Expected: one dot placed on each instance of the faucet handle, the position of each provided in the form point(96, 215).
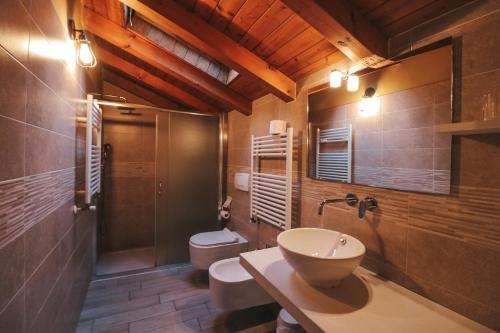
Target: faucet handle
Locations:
point(368, 203)
point(351, 199)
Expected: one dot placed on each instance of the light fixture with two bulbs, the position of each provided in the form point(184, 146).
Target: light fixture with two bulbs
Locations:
point(84, 55)
point(337, 76)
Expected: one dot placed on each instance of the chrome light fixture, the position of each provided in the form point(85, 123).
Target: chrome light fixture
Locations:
point(337, 76)
point(84, 55)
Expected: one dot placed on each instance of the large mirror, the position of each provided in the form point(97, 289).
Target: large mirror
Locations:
point(382, 134)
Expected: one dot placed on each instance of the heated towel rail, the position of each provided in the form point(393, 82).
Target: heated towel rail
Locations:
point(93, 149)
point(334, 165)
point(271, 194)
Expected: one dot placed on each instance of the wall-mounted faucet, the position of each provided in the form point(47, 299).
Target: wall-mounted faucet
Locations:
point(349, 199)
point(368, 203)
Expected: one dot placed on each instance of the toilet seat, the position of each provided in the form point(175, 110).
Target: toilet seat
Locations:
point(208, 247)
point(213, 238)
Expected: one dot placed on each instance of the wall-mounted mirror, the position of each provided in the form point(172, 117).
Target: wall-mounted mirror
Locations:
point(382, 134)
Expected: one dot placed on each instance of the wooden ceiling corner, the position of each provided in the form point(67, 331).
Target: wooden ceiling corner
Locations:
point(114, 77)
point(171, 17)
point(343, 26)
point(161, 59)
point(149, 79)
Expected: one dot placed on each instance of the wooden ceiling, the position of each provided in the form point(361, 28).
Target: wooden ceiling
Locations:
point(271, 43)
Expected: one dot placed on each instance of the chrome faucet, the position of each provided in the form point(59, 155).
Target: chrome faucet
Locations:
point(349, 199)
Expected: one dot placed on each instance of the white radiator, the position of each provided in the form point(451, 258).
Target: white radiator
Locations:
point(93, 149)
point(271, 194)
point(334, 165)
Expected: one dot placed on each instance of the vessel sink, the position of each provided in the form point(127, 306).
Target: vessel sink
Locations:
point(321, 257)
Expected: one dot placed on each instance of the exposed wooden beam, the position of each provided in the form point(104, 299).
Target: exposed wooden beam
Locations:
point(115, 11)
point(344, 27)
point(175, 67)
point(151, 80)
point(133, 87)
point(171, 17)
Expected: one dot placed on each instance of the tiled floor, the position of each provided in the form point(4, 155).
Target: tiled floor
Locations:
point(124, 261)
point(172, 299)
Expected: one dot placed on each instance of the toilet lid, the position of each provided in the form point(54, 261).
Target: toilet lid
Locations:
point(214, 238)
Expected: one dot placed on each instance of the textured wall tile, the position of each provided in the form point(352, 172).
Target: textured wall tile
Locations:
point(12, 152)
point(12, 273)
point(13, 93)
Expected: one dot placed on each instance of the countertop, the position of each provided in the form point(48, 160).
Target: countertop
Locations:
point(364, 302)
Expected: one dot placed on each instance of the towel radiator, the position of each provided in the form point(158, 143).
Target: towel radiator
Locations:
point(93, 149)
point(334, 165)
point(271, 194)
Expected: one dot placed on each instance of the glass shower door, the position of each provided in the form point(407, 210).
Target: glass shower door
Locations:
point(187, 171)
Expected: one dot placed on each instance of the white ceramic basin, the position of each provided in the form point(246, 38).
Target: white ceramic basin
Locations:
point(321, 257)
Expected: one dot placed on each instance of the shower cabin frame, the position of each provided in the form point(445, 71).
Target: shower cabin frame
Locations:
point(221, 163)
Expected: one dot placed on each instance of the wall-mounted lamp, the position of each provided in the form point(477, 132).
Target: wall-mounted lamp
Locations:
point(352, 83)
point(84, 55)
point(370, 103)
point(337, 76)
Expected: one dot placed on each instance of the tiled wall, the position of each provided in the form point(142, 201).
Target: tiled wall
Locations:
point(446, 248)
point(45, 251)
point(129, 207)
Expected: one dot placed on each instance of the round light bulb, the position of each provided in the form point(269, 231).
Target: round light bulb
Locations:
point(352, 83)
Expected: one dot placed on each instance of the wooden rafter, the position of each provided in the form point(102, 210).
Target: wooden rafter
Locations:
point(115, 11)
point(344, 27)
point(134, 88)
point(151, 80)
point(152, 54)
point(171, 17)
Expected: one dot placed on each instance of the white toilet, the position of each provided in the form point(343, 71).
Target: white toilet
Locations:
point(233, 288)
point(208, 247)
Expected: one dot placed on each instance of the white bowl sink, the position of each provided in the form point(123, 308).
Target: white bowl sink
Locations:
point(321, 257)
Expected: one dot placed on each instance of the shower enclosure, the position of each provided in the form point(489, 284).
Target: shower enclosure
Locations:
point(161, 184)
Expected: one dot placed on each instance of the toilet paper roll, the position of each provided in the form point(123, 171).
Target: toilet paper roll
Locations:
point(225, 215)
point(277, 127)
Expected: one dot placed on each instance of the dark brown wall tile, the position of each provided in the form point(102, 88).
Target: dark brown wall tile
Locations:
point(12, 273)
point(13, 90)
point(14, 29)
point(459, 267)
point(47, 110)
point(47, 151)
point(12, 135)
point(12, 317)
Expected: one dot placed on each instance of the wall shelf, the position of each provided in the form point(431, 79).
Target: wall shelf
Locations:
point(469, 127)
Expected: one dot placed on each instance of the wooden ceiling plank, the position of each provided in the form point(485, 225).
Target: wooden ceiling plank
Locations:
point(301, 42)
point(394, 10)
point(329, 60)
point(99, 6)
point(343, 26)
point(169, 16)
point(134, 88)
point(423, 14)
point(271, 20)
point(205, 8)
point(188, 4)
point(149, 79)
point(224, 13)
point(282, 35)
point(115, 11)
point(157, 57)
point(246, 17)
point(316, 52)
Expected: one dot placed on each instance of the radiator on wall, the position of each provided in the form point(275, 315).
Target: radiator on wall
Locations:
point(93, 149)
point(271, 194)
point(334, 165)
